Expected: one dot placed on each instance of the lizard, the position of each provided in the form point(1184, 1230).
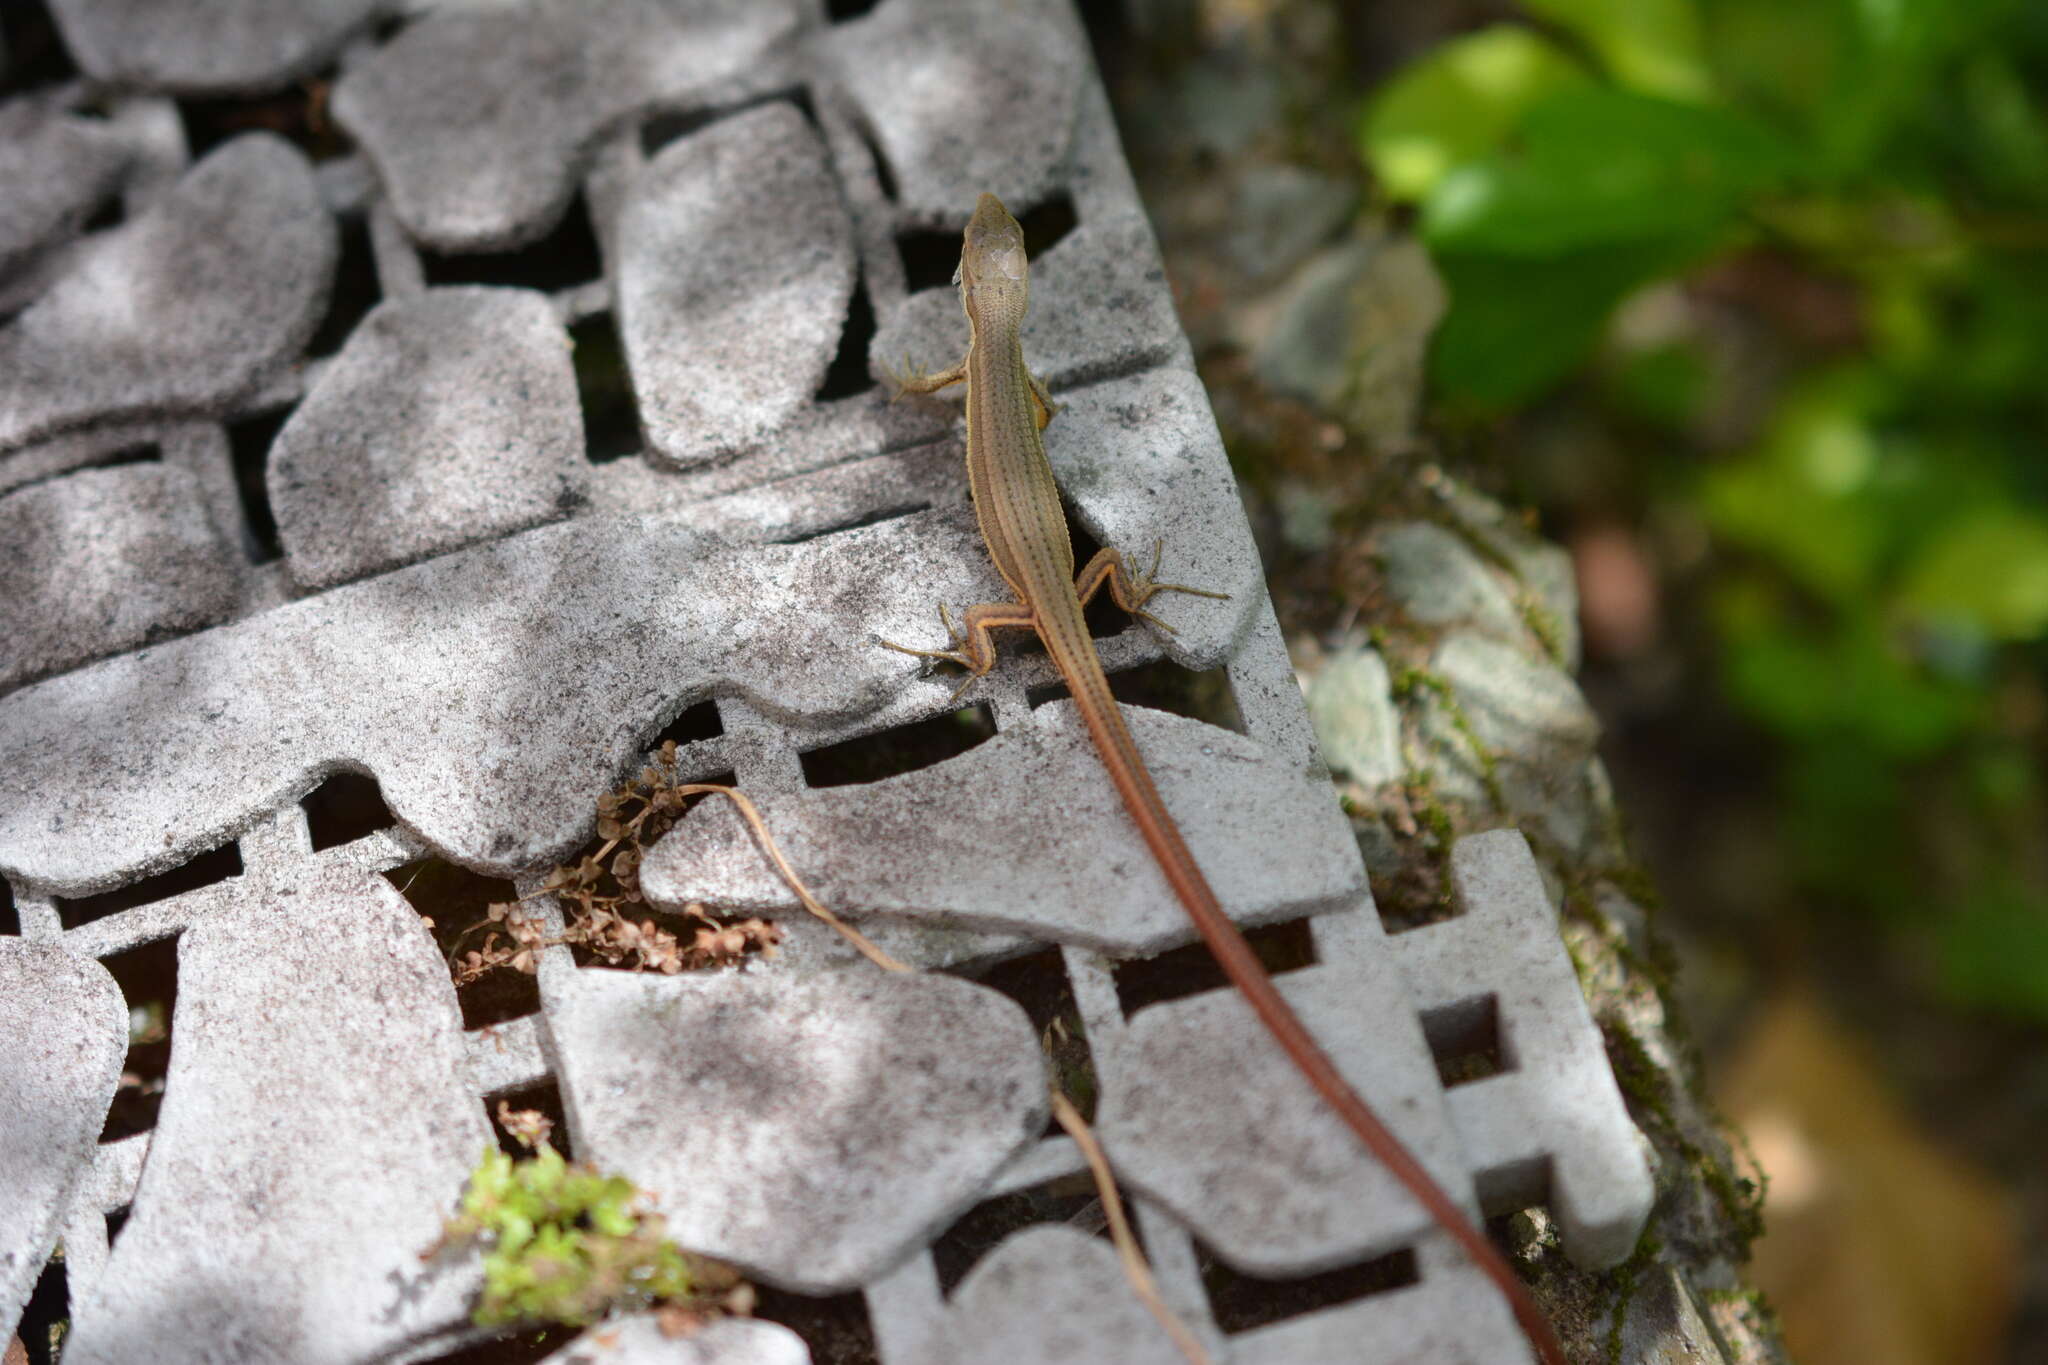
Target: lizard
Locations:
point(1017, 504)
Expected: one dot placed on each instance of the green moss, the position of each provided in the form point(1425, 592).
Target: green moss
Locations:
point(1625, 1280)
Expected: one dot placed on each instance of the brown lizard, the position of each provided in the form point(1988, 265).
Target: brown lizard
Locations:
point(1018, 506)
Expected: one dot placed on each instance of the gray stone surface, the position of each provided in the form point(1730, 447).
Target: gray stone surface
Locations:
point(638, 1340)
point(1352, 704)
point(63, 1035)
point(1205, 1114)
point(1280, 213)
point(1550, 1125)
point(963, 98)
point(208, 46)
point(493, 692)
point(1437, 580)
point(57, 170)
point(105, 560)
point(811, 1129)
point(1048, 1296)
point(1272, 844)
point(480, 120)
point(310, 1141)
point(1544, 569)
point(190, 307)
point(449, 418)
point(735, 268)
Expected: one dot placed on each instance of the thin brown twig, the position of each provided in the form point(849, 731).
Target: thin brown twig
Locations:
point(1135, 1270)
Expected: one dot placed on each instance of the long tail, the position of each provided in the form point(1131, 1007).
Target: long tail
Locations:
point(1085, 679)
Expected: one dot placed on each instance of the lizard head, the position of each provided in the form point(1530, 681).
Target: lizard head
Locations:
point(994, 276)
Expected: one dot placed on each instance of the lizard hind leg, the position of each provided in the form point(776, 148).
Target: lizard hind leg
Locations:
point(968, 644)
point(1132, 591)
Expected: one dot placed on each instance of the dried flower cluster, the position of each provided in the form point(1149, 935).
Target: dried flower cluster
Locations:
point(603, 906)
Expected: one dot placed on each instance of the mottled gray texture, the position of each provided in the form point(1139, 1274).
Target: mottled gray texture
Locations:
point(479, 121)
point(1352, 704)
point(1048, 1295)
point(963, 99)
point(310, 1142)
point(63, 1034)
point(1554, 1106)
point(1436, 579)
point(105, 560)
point(493, 692)
point(449, 418)
point(1099, 306)
point(810, 1129)
point(189, 307)
point(638, 1340)
point(1280, 213)
point(57, 169)
point(735, 263)
point(1548, 579)
point(1208, 1117)
point(208, 46)
point(1272, 843)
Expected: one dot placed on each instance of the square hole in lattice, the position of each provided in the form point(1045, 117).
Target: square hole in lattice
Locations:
point(1504, 1191)
point(931, 256)
point(839, 11)
point(848, 373)
point(544, 1097)
point(10, 918)
point(1163, 685)
point(249, 445)
point(1242, 1302)
point(1191, 970)
point(344, 808)
point(518, 1346)
point(611, 421)
point(1071, 1201)
point(34, 53)
point(457, 901)
point(148, 978)
point(1039, 982)
point(297, 114)
point(217, 865)
point(356, 288)
point(907, 748)
point(836, 1328)
point(47, 1316)
point(692, 724)
point(116, 1220)
point(1464, 1038)
point(566, 257)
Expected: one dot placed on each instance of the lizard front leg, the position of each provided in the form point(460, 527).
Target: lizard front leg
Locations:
point(1132, 591)
point(969, 644)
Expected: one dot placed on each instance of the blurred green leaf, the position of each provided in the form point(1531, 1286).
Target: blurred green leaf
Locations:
point(1994, 953)
point(1649, 45)
point(1605, 167)
point(1459, 103)
point(1989, 569)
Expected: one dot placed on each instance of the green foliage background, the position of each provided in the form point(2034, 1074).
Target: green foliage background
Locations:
point(1880, 529)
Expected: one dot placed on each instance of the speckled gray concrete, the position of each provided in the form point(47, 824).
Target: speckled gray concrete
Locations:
point(208, 46)
point(57, 169)
point(638, 1340)
point(735, 267)
point(63, 1034)
point(811, 1129)
point(1272, 843)
point(1048, 1295)
point(191, 307)
point(479, 120)
point(106, 560)
point(964, 98)
point(1207, 1116)
point(1554, 1106)
point(309, 1144)
point(449, 418)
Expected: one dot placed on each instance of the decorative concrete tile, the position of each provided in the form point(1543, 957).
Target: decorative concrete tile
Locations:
point(448, 418)
point(1454, 1316)
point(638, 1340)
point(57, 169)
point(810, 1129)
point(494, 692)
point(1048, 1296)
point(1272, 844)
point(735, 268)
point(105, 560)
point(192, 305)
point(208, 46)
point(63, 1035)
point(479, 120)
point(1204, 1113)
point(310, 1142)
point(963, 99)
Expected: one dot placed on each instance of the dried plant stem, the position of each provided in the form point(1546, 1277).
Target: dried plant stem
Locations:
point(1135, 1270)
point(752, 815)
